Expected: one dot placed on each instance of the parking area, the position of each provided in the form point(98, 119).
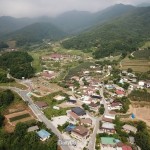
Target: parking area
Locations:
point(59, 120)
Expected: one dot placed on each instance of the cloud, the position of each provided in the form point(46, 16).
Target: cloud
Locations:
point(32, 8)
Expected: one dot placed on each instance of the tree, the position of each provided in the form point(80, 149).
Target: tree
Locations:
point(101, 109)
point(129, 70)
point(1, 120)
point(86, 107)
point(141, 126)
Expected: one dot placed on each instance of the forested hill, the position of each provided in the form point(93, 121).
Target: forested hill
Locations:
point(35, 33)
point(125, 33)
point(17, 63)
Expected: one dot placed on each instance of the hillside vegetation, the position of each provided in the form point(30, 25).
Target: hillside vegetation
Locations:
point(124, 34)
point(17, 63)
point(36, 33)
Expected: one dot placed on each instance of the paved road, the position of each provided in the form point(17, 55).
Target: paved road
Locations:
point(39, 114)
point(91, 145)
point(104, 101)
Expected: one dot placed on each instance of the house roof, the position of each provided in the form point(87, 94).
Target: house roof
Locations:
point(72, 114)
point(81, 130)
point(120, 92)
point(86, 121)
point(43, 134)
point(70, 127)
point(41, 104)
point(108, 141)
point(94, 104)
point(108, 125)
point(56, 55)
point(113, 104)
point(79, 111)
point(130, 128)
point(107, 119)
point(59, 97)
point(33, 128)
point(47, 74)
point(126, 147)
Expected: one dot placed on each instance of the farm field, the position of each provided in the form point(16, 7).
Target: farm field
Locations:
point(136, 64)
point(21, 116)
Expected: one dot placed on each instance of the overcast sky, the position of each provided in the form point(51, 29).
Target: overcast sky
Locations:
point(34, 8)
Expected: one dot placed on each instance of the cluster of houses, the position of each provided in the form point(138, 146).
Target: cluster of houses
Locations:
point(59, 57)
point(80, 124)
point(107, 126)
point(132, 80)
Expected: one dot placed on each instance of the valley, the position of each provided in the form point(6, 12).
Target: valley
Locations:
point(76, 81)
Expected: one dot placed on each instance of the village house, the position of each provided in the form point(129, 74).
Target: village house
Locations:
point(59, 98)
point(120, 93)
point(79, 111)
point(128, 128)
point(94, 106)
point(114, 106)
point(141, 84)
point(41, 104)
point(105, 119)
point(48, 75)
point(109, 143)
point(107, 127)
point(33, 128)
point(56, 57)
point(147, 84)
point(80, 133)
point(73, 117)
point(86, 121)
point(43, 134)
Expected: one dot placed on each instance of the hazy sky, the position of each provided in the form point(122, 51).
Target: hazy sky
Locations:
point(32, 8)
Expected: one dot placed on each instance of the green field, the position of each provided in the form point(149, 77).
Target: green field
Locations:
point(19, 117)
point(146, 45)
point(49, 112)
point(14, 84)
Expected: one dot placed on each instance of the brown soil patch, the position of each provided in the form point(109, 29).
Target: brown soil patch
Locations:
point(141, 111)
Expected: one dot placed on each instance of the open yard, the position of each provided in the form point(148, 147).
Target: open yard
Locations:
point(136, 64)
point(42, 87)
point(141, 110)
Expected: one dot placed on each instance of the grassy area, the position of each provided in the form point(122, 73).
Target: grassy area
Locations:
point(19, 117)
point(146, 45)
point(36, 56)
point(49, 112)
point(77, 70)
point(136, 64)
point(14, 84)
point(142, 54)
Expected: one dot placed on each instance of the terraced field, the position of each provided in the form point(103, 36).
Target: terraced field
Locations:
point(137, 65)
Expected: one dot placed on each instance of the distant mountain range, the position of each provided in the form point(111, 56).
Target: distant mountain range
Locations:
point(71, 22)
point(29, 30)
point(123, 34)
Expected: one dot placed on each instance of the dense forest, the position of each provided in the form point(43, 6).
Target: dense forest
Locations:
point(123, 34)
point(3, 77)
point(17, 63)
point(3, 45)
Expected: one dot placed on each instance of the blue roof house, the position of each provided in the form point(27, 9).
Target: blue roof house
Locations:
point(43, 134)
